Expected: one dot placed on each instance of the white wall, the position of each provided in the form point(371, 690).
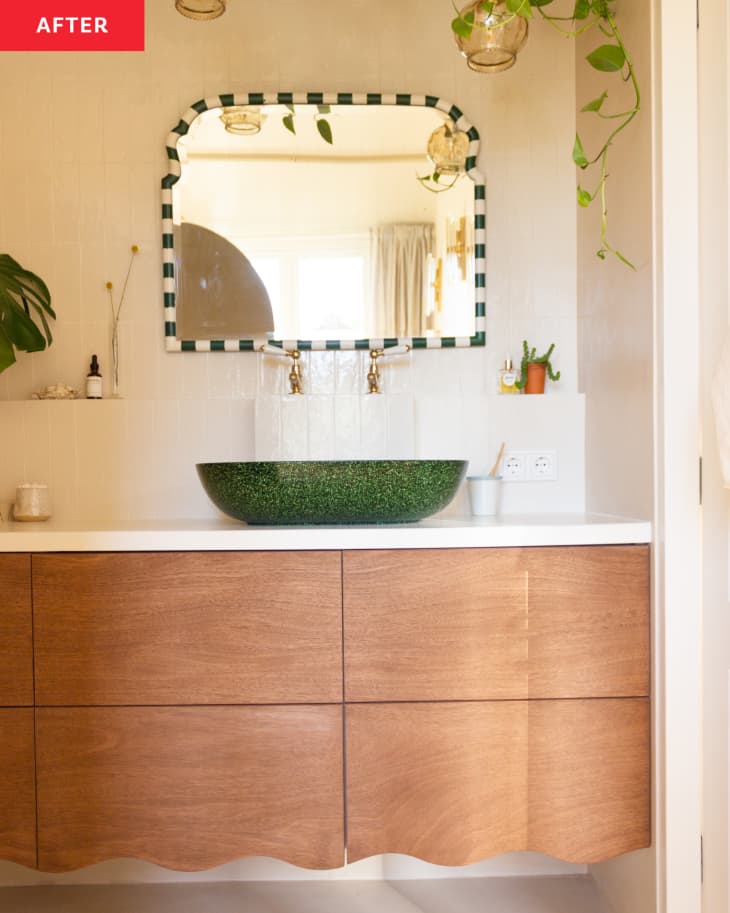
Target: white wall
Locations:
point(615, 341)
point(81, 157)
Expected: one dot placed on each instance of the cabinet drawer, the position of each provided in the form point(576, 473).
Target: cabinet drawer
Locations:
point(455, 783)
point(190, 788)
point(435, 624)
point(589, 776)
point(17, 787)
point(16, 643)
point(589, 621)
point(188, 628)
point(444, 782)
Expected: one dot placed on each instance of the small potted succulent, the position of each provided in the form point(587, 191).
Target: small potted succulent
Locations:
point(534, 368)
point(25, 304)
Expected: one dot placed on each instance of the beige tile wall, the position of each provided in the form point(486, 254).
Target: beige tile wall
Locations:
point(81, 158)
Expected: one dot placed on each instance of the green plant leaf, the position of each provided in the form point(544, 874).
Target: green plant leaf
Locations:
point(584, 197)
point(291, 108)
point(488, 6)
point(609, 58)
point(624, 260)
point(288, 121)
point(540, 2)
point(520, 8)
point(325, 131)
point(579, 156)
point(601, 254)
point(582, 9)
point(7, 353)
point(324, 109)
point(596, 104)
point(461, 27)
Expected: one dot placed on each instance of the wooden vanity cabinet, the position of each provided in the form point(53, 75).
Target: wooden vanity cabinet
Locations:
point(497, 700)
point(17, 769)
point(191, 708)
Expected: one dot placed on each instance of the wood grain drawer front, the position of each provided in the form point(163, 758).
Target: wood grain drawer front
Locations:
point(428, 624)
point(444, 782)
point(589, 778)
point(589, 621)
point(459, 782)
point(188, 628)
point(17, 787)
point(190, 788)
point(16, 637)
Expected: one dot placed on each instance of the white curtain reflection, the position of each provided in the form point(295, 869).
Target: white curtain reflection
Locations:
point(399, 256)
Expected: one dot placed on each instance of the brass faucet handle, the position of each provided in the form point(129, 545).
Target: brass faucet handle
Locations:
point(295, 371)
point(374, 370)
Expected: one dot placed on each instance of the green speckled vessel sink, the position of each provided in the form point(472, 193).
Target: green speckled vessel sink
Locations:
point(340, 491)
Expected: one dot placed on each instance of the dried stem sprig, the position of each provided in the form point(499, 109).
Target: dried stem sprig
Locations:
point(110, 287)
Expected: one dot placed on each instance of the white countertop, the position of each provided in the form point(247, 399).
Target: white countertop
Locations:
point(225, 535)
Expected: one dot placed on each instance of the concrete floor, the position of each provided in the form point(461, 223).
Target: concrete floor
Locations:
point(563, 894)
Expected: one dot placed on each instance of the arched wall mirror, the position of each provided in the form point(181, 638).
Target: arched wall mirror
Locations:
point(323, 221)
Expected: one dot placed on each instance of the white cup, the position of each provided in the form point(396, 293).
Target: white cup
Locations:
point(484, 495)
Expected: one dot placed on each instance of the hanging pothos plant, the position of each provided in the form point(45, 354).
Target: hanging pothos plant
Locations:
point(323, 125)
point(610, 57)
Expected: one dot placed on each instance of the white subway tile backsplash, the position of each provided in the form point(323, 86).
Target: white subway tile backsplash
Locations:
point(321, 431)
point(401, 443)
point(268, 427)
point(347, 428)
point(294, 431)
point(373, 427)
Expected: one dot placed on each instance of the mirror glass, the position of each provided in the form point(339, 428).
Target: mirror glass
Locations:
point(330, 224)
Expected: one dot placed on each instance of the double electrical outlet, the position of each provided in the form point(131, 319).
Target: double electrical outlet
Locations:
point(530, 466)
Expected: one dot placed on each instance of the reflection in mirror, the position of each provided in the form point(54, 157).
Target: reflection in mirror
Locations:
point(333, 224)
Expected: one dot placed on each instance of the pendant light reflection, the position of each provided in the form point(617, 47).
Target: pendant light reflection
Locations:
point(243, 121)
point(201, 9)
point(447, 149)
point(495, 40)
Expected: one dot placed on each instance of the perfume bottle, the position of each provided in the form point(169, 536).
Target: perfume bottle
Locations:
point(506, 378)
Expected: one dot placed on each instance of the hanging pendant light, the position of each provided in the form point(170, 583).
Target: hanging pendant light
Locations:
point(447, 149)
point(201, 9)
point(242, 120)
point(495, 40)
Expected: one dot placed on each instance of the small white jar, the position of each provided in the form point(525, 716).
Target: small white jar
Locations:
point(32, 502)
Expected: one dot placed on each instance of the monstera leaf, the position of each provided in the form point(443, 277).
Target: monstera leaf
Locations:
point(25, 305)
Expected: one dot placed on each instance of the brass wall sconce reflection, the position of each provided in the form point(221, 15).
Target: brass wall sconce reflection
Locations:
point(295, 370)
point(456, 244)
point(201, 9)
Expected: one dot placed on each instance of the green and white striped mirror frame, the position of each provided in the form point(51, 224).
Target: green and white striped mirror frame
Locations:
point(173, 344)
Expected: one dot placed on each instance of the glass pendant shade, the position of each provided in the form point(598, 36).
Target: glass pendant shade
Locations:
point(447, 149)
point(495, 40)
point(201, 9)
point(242, 120)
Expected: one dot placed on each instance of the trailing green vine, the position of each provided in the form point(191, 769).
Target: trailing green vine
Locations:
point(611, 57)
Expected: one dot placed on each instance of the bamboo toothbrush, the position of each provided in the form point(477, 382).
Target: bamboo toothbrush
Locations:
point(494, 471)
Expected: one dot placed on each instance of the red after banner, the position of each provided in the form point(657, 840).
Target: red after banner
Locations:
point(73, 25)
